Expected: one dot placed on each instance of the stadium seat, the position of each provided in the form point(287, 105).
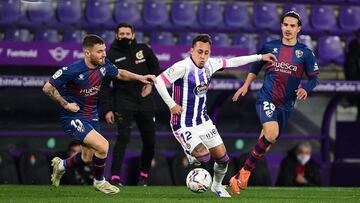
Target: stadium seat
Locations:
point(220, 40)
point(349, 18)
point(300, 8)
point(306, 39)
point(9, 12)
point(266, 17)
point(34, 168)
point(266, 38)
point(139, 36)
point(130, 13)
point(40, 12)
point(74, 36)
point(47, 36)
point(8, 172)
point(108, 36)
point(162, 38)
point(69, 11)
point(332, 1)
point(22, 35)
point(247, 41)
point(186, 38)
point(180, 168)
point(209, 14)
point(160, 172)
point(330, 49)
point(354, 1)
point(236, 17)
point(323, 18)
point(183, 14)
point(97, 13)
point(155, 14)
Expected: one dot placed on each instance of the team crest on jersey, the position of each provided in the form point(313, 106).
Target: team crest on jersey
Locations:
point(269, 113)
point(103, 71)
point(139, 55)
point(57, 74)
point(81, 77)
point(299, 53)
point(201, 89)
point(170, 71)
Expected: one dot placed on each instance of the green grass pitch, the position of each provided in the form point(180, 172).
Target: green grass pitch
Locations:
point(68, 194)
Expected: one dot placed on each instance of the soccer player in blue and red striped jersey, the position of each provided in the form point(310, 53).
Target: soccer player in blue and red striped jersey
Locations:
point(75, 88)
point(281, 88)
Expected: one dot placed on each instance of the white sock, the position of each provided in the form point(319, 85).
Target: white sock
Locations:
point(61, 165)
point(219, 173)
point(99, 181)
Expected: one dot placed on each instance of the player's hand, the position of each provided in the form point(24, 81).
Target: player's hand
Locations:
point(109, 117)
point(148, 79)
point(240, 92)
point(146, 90)
point(269, 57)
point(176, 110)
point(72, 107)
point(301, 94)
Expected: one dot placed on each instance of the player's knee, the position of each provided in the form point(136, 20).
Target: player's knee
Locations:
point(271, 135)
point(223, 161)
point(104, 148)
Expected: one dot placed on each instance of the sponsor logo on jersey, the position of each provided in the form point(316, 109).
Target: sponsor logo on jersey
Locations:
point(201, 89)
point(90, 91)
point(139, 55)
point(299, 53)
point(103, 71)
point(284, 67)
point(211, 134)
point(57, 74)
point(170, 71)
point(269, 113)
point(120, 59)
point(58, 54)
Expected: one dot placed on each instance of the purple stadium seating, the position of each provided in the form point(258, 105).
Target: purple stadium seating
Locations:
point(155, 14)
point(236, 16)
point(245, 41)
point(162, 38)
point(220, 40)
point(40, 12)
point(306, 39)
point(183, 14)
point(330, 49)
point(69, 11)
point(323, 18)
point(209, 14)
point(97, 13)
point(22, 35)
point(108, 36)
point(47, 36)
point(354, 1)
point(139, 36)
point(349, 18)
point(186, 38)
point(9, 12)
point(130, 13)
point(266, 38)
point(332, 1)
point(74, 36)
point(266, 16)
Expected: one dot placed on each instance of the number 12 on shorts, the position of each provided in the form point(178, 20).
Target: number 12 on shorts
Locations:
point(186, 136)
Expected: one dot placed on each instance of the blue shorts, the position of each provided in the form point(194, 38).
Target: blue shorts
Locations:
point(267, 111)
point(79, 127)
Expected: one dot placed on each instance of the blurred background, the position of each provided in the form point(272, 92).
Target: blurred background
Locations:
point(39, 36)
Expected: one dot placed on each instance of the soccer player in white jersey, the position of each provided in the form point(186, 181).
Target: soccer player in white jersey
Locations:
point(190, 123)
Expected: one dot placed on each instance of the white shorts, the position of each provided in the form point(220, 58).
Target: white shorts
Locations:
point(190, 137)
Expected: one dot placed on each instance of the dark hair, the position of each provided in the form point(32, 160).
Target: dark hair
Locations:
point(292, 14)
point(201, 38)
point(124, 24)
point(90, 40)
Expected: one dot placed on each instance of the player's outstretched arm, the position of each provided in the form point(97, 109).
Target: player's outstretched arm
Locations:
point(52, 92)
point(128, 76)
point(243, 60)
point(244, 89)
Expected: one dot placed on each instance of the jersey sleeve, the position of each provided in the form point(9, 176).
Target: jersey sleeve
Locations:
point(173, 73)
point(256, 67)
point(311, 67)
point(61, 77)
point(111, 70)
point(216, 64)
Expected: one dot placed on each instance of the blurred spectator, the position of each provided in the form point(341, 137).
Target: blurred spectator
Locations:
point(78, 176)
point(298, 168)
point(352, 67)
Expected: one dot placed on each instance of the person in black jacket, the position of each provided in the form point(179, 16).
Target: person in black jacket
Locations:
point(124, 103)
point(298, 168)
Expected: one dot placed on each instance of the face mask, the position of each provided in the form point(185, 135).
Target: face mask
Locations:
point(124, 42)
point(303, 158)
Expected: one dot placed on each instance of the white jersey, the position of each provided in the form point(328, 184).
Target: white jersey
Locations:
point(189, 86)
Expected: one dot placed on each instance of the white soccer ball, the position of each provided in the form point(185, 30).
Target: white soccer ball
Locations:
point(198, 180)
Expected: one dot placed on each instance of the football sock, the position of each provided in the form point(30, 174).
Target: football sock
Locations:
point(220, 168)
point(72, 162)
point(99, 167)
point(115, 177)
point(204, 158)
point(144, 175)
point(257, 153)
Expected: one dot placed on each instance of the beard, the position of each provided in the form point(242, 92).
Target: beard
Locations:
point(96, 62)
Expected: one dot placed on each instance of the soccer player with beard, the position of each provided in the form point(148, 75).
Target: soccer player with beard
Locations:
point(191, 125)
point(281, 88)
point(75, 88)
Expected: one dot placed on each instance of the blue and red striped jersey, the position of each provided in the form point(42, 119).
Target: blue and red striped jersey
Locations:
point(283, 77)
point(80, 84)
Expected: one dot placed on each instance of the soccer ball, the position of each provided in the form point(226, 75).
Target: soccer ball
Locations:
point(198, 180)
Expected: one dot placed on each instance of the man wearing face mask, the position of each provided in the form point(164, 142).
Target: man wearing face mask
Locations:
point(298, 168)
point(124, 102)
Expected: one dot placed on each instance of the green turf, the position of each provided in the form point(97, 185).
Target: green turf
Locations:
point(68, 194)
